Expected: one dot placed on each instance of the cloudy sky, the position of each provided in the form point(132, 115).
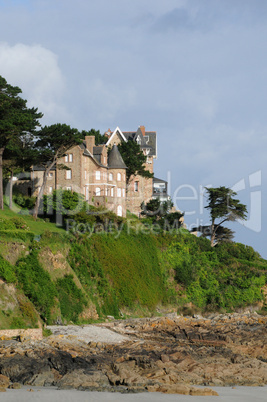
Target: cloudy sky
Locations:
point(195, 71)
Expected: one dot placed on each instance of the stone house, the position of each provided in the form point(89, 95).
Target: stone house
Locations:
point(139, 189)
point(101, 176)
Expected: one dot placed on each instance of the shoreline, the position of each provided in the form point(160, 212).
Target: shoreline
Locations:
point(171, 354)
point(47, 394)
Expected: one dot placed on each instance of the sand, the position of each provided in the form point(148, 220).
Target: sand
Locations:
point(226, 394)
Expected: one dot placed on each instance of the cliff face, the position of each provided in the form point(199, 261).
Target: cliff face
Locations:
point(62, 279)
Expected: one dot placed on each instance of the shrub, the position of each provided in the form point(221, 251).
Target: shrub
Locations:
point(36, 284)
point(7, 271)
point(71, 298)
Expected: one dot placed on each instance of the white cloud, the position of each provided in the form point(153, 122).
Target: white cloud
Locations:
point(35, 70)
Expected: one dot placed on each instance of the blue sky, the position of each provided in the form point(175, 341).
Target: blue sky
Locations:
point(194, 71)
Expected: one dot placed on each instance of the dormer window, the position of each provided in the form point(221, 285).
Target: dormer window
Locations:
point(138, 140)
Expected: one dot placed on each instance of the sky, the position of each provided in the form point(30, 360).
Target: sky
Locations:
point(195, 71)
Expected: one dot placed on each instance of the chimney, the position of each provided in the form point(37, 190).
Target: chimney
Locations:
point(108, 133)
point(90, 142)
point(143, 130)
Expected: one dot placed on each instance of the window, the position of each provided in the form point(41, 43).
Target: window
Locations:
point(112, 191)
point(50, 175)
point(104, 160)
point(106, 191)
point(85, 174)
point(111, 176)
point(97, 191)
point(104, 176)
point(68, 188)
point(118, 192)
point(119, 176)
point(97, 175)
point(69, 158)
point(119, 210)
point(68, 174)
point(123, 192)
point(86, 193)
point(136, 186)
point(50, 189)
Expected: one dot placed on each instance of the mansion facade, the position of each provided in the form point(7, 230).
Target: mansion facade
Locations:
point(101, 175)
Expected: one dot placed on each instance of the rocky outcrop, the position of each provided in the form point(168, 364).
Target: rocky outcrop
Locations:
point(168, 354)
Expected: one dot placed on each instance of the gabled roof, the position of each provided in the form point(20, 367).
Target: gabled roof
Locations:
point(115, 160)
point(148, 141)
point(116, 131)
point(95, 157)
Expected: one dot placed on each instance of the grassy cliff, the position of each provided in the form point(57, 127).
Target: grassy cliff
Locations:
point(49, 274)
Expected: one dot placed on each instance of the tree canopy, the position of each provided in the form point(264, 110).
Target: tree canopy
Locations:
point(134, 159)
point(223, 206)
point(99, 138)
point(160, 213)
point(16, 119)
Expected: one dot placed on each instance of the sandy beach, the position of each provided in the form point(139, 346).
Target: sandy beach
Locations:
point(226, 394)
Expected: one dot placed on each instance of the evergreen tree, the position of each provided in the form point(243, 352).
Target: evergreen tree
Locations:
point(222, 205)
point(16, 119)
point(134, 159)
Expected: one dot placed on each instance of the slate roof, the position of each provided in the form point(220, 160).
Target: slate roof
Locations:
point(148, 141)
point(156, 180)
point(115, 160)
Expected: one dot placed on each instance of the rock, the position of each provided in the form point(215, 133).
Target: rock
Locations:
point(78, 378)
point(164, 358)
point(4, 381)
point(15, 385)
point(174, 389)
point(161, 354)
point(43, 379)
point(202, 392)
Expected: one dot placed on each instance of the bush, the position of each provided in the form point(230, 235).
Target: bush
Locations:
point(19, 223)
point(227, 276)
point(36, 284)
point(71, 298)
point(7, 271)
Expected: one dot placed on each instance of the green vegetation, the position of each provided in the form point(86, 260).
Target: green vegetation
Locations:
point(61, 275)
point(227, 276)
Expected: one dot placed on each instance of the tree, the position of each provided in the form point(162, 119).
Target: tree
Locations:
point(15, 120)
point(160, 214)
point(53, 142)
point(19, 156)
point(155, 208)
point(222, 233)
point(99, 138)
point(223, 206)
point(134, 159)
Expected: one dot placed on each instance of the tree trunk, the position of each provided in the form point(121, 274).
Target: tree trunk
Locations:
point(40, 194)
point(1, 179)
point(213, 233)
point(11, 189)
